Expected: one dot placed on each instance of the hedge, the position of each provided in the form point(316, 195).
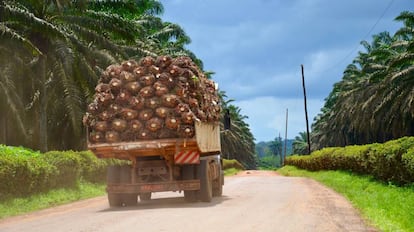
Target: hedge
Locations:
point(21, 175)
point(25, 173)
point(227, 164)
point(392, 161)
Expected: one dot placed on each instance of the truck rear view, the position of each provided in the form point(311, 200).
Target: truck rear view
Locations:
point(162, 115)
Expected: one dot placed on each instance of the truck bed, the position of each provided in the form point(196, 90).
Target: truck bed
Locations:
point(206, 141)
point(128, 150)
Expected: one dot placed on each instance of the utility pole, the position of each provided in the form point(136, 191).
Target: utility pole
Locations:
point(306, 109)
point(286, 127)
point(280, 151)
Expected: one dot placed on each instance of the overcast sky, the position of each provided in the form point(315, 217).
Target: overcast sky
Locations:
point(256, 48)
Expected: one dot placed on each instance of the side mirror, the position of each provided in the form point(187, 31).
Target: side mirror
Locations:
point(227, 120)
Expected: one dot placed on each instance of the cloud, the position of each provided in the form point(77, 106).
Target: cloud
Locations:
point(256, 49)
point(322, 69)
point(267, 116)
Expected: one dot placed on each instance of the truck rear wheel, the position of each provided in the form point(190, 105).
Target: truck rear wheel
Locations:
point(114, 199)
point(112, 174)
point(218, 186)
point(206, 185)
point(127, 199)
point(189, 174)
point(112, 177)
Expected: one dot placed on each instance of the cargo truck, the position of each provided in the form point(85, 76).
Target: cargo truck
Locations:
point(193, 166)
point(162, 115)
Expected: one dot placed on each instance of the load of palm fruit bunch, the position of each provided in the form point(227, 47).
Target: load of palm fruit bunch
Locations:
point(154, 98)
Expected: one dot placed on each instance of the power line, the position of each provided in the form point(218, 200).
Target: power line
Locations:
point(379, 19)
point(364, 37)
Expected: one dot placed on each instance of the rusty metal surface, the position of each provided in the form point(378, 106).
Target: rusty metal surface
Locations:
point(154, 187)
point(129, 150)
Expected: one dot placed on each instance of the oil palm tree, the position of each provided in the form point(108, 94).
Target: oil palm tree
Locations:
point(60, 48)
point(73, 45)
point(300, 144)
point(238, 142)
point(373, 101)
point(65, 48)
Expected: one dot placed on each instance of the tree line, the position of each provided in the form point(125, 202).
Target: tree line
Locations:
point(374, 101)
point(53, 53)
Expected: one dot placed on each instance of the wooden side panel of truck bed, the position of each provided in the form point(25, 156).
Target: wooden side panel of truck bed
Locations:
point(208, 137)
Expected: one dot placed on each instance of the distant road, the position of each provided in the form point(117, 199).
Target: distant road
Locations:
point(252, 201)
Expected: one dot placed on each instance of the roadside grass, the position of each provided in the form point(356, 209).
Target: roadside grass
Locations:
point(18, 206)
point(386, 206)
point(84, 190)
point(231, 171)
point(232, 167)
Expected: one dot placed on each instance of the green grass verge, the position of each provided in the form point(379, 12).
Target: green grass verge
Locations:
point(84, 190)
point(387, 207)
point(18, 206)
point(231, 171)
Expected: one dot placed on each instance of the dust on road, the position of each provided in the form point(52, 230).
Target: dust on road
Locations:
point(252, 201)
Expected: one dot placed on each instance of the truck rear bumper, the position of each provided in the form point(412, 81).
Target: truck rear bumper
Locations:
point(154, 187)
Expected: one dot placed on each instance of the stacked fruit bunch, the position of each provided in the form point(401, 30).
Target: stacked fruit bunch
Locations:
point(155, 98)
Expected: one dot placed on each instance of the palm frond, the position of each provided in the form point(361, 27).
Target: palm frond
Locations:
point(8, 34)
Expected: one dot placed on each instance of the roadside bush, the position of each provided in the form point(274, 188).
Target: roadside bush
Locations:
point(21, 175)
point(269, 162)
point(92, 169)
point(68, 165)
point(24, 172)
point(408, 160)
point(227, 164)
point(392, 161)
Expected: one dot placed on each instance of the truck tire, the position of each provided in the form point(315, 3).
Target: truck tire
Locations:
point(188, 173)
point(125, 174)
point(112, 177)
point(114, 200)
point(127, 199)
point(145, 196)
point(218, 185)
point(206, 185)
point(190, 195)
point(112, 174)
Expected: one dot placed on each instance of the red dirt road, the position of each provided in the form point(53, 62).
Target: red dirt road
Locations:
point(252, 201)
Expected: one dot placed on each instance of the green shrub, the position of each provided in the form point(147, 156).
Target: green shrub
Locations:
point(408, 161)
point(68, 165)
point(392, 161)
point(22, 174)
point(227, 164)
point(269, 162)
point(17, 151)
point(92, 169)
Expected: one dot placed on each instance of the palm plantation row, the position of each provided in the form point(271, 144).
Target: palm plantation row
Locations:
point(374, 101)
point(53, 53)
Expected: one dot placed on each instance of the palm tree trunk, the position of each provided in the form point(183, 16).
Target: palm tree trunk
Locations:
point(3, 123)
point(43, 106)
point(1, 10)
point(3, 131)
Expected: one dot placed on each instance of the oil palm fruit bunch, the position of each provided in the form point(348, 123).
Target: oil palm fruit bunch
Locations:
point(153, 98)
